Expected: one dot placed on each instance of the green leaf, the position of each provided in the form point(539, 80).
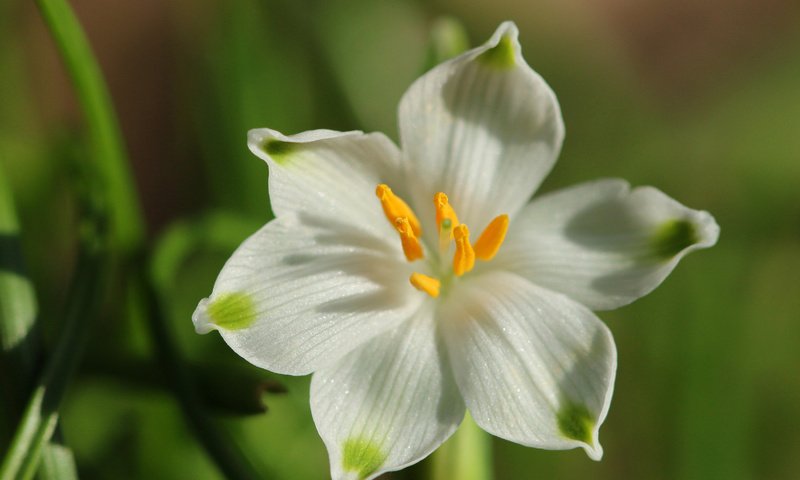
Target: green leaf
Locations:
point(84, 298)
point(17, 297)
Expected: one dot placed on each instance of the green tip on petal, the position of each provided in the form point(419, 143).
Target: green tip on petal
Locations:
point(500, 56)
point(362, 456)
point(575, 422)
point(673, 236)
point(278, 150)
point(232, 311)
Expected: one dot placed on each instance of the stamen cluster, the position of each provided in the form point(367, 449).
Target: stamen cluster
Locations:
point(402, 217)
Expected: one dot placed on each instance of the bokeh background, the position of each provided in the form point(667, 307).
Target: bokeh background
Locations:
point(698, 98)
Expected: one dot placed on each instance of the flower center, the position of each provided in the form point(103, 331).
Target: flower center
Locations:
point(408, 227)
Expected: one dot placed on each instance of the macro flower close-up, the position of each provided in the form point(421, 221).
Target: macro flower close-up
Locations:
point(419, 282)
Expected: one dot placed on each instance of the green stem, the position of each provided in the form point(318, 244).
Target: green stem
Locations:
point(83, 302)
point(19, 339)
point(104, 138)
point(467, 455)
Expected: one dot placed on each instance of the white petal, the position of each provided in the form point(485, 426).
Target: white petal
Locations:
point(389, 403)
point(484, 128)
point(603, 244)
point(534, 367)
point(329, 173)
point(304, 290)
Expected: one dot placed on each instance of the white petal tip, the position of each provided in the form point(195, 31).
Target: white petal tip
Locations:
point(577, 423)
point(231, 311)
point(506, 28)
point(273, 146)
point(708, 230)
point(200, 319)
point(676, 237)
point(502, 51)
point(595, 452)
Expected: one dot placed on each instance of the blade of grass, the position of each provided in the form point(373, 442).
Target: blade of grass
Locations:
point(104, 138)
point(58, 463)
point(18, 310)
point(18, 336)
point(87, 290)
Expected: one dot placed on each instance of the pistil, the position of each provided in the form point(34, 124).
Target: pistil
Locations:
point(446, 220)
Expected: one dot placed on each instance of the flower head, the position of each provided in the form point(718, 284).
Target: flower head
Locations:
point(417, 282)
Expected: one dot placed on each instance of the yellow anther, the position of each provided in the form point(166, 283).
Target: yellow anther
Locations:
point(444, 210)
point(492, 237)
point(394, 207)
point(411, 245)
point(464, 259)
point(425, 284)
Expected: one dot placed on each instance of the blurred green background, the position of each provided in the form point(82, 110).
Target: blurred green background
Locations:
point(698, 98)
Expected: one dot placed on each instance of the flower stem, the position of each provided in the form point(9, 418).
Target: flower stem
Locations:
point(102, 129)
point(467, 455)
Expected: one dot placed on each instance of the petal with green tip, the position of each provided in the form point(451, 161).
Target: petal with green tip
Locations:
point(603, 243)
point(534, 367)
point(304, 290)
point(324, 172)
point(483, 128)
point(362, 457)
point(232, 310)
point(501, 56)
point(387, 404)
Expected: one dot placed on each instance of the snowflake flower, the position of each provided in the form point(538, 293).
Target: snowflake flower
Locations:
point(403, 314)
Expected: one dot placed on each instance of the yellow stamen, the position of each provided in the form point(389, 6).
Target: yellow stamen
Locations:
point(444, 210)
point(394, 207)
point(492, 237)
point(411, 245)
point(425, 284)
point(464, 259)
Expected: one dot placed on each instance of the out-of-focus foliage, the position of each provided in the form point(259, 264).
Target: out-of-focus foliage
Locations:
point(707, 384)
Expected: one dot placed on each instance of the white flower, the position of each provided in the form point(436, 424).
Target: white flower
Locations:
point(405, 314)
